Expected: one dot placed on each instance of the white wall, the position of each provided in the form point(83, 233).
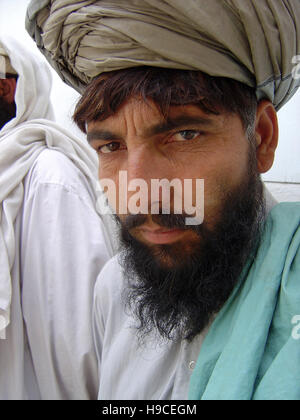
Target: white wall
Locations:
point(283, 179)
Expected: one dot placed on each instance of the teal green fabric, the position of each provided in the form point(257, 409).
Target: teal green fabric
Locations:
point(251, 351)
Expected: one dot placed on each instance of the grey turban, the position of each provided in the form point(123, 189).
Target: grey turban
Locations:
point(256, 42)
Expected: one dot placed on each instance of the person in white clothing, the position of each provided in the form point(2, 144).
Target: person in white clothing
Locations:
point(53, 242)
point(176, 92)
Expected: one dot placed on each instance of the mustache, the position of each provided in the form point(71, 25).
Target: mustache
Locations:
point(170, 221)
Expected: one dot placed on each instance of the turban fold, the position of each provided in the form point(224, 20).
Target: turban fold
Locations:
point(256, 42)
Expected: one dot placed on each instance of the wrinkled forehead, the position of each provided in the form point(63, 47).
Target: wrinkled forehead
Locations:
point(145, 119)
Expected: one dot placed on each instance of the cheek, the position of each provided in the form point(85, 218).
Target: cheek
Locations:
point(109, 181)
point(221, 174)
point(108, 167)
point(221, 169)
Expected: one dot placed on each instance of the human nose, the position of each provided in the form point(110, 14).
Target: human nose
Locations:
point(143, 165)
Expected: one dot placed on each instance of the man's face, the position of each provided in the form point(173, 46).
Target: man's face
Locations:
point(189, 144)
point(178, 275)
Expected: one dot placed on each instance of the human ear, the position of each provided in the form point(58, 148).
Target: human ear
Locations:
point(8, 89)
point(266, 134)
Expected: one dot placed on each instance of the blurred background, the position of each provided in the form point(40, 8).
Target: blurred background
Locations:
point(283, 180)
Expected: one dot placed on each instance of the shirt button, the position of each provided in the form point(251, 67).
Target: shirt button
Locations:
point(192, 365)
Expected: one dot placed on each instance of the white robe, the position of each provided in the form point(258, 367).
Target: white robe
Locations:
point(155, 369)
point(53, 243)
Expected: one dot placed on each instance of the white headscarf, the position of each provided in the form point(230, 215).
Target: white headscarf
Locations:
point(33, 87)
point(21, 142)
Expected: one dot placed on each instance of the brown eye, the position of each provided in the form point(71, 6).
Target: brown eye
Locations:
point(186, 135)
point(109, 147)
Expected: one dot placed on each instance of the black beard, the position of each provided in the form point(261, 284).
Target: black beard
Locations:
point(179, 301)
point(7, 112)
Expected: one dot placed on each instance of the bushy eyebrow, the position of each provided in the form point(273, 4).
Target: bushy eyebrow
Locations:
point(178, 122)
point(163, 127)
point(104, 135)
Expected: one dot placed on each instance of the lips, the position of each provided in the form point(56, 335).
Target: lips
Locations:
point(161, 236)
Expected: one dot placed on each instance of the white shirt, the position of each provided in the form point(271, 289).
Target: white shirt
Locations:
point(155, 370)
point(53, 243)
point(48, 351)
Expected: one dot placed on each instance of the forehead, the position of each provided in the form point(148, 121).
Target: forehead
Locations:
point(148, 119)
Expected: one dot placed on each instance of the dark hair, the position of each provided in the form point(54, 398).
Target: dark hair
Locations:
point(106, 93)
